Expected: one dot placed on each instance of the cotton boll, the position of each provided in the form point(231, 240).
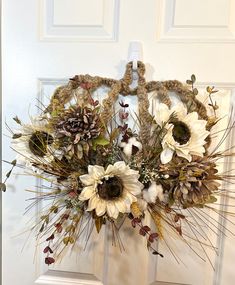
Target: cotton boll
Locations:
point(128, 147)
point(153, 192)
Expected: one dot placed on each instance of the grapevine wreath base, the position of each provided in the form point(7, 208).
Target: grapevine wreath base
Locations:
point(98, 170)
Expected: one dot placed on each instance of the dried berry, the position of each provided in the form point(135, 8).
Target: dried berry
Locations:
point(49, 260)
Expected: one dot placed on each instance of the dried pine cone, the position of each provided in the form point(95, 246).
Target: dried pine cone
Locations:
point(193, 182)
point(79, 124)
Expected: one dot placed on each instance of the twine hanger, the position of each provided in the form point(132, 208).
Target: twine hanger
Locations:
point(63, 94)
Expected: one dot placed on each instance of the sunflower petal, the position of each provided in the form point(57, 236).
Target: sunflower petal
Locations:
point(87, 193)
point(120, 165)
point(92, 204)
point(162, 114)
point(100, 208)
point(87, 179)
point(184, 155)
point(121, 206)
point(166, 155)
point(150, 194)
point(96, 171)
point(112, 210)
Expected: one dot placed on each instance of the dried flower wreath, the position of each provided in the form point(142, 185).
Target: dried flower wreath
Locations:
point(101, 171)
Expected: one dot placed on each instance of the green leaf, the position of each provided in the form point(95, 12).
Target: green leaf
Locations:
point(189, 82)
point(54, 113)
point(100, 141)
point(3, 187)
point(193, 78)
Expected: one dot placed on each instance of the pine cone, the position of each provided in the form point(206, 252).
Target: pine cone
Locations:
point(194, 182)
point(79, 124)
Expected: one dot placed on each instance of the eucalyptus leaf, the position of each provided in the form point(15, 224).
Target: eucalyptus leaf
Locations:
point(171, 199)
point(54, 209)
point(42, 228)
point(71, 240)
point(9, 173)
point(54, 113)
point(3, 187)
point(66, 240)
point(98, 223)
point(195, 91)
point(14, 162)
point(17, 120)
point(70, 228)
point(16, 136)
point(193, 78)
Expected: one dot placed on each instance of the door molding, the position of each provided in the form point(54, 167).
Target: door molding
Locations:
point(55, 277)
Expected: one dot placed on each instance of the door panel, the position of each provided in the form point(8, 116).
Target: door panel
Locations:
point(45, 42)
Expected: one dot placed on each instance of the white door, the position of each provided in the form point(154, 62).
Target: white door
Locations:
point(45, 42)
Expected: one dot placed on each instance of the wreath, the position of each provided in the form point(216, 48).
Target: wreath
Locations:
point(99, 169)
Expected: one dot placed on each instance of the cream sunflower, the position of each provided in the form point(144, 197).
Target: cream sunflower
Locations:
point(111, 190)
point(185, 135)
point(33, 143)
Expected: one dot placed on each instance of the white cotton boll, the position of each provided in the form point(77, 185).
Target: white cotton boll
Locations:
point(165, 198)
point(153, 192)
point(133, 141)
point(150, 194)
point(166, 155)
point(160, 193)
point(128, 147)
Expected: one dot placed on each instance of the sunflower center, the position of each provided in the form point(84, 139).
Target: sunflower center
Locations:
point(181, 132)
point(110, 189)
point(38, 143)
